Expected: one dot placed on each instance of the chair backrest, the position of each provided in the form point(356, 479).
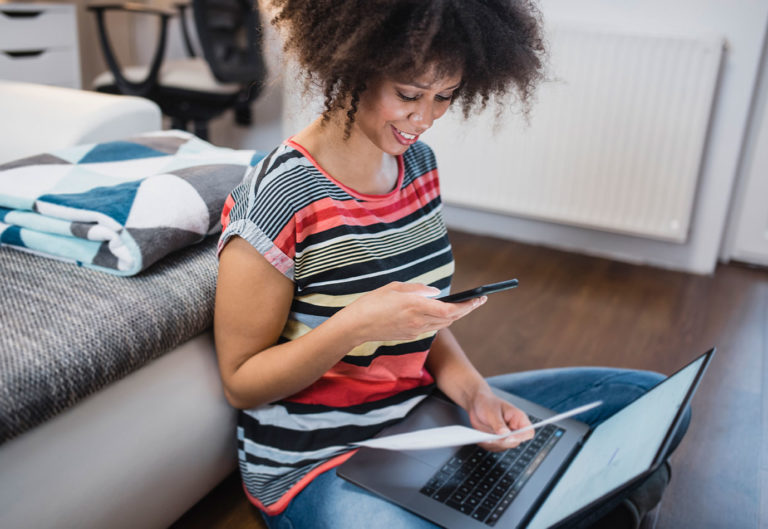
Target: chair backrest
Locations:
point(230, 35)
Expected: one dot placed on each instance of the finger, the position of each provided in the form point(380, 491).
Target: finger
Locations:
point(433, 324)
point(468, 304)
point(418, 289)
point(455, 311)
point(505, 443)
point(497, 423)
point(494, 446)
point(519, 437)
point(509, 418)
point(440, 321)
point(515, 417)
point(465, 307)
point(509, 442)
point(430, 324)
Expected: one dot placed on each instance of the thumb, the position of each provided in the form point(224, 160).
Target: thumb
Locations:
point(422, 290)
point(501, 428)
point(495, 423)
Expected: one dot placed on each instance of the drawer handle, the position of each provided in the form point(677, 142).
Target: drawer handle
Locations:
point(21, 14)
point(23, 54)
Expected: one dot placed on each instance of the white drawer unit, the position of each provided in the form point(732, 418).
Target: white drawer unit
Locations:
point(38, 44)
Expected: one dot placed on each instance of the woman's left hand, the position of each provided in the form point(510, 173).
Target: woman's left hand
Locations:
point(489, 413)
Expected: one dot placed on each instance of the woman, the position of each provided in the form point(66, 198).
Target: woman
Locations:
point(334, 248)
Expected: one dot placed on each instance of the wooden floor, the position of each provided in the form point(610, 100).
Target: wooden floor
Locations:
point(576, 310)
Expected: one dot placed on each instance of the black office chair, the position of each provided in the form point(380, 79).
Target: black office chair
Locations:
point(194, 89)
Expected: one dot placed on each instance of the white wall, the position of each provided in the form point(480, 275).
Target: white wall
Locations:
point(747, 233)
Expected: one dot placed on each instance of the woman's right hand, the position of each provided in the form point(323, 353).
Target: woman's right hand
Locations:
point(402, 311)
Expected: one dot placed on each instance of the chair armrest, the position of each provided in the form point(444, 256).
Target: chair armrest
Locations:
point(145, 87)
point(38, 118)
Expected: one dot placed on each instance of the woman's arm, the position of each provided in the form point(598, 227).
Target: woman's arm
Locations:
point(461, 382)
point(253, 301)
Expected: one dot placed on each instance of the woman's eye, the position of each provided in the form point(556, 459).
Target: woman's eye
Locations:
point(406, 98)
point(442, 99)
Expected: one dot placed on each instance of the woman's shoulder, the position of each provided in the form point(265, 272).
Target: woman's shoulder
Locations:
point(269, 184)
point(283, 160)
point(276, 174)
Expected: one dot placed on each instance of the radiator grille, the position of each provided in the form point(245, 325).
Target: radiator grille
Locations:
point(615, 139)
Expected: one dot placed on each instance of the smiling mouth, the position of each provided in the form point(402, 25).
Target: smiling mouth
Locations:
point(404, 137)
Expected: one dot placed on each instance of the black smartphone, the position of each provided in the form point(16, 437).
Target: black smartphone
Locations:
point(479, 291)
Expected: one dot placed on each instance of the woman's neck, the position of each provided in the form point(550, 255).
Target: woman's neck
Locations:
point(355, 162)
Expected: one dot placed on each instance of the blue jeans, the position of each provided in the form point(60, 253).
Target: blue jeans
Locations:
point(331, 502)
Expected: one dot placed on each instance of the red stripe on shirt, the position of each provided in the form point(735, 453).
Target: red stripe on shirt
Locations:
point(229, 203)
point(286, 240)
point(327, 213)
point(349, 385)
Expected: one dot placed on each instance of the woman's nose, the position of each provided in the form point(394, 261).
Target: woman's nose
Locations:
point(422, 118)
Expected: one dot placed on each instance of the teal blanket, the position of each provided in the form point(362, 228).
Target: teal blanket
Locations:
point(119, 206)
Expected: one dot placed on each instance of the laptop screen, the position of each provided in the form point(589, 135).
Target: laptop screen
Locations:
point(619, 449)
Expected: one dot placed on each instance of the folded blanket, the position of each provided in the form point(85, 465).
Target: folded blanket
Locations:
point(119, 206)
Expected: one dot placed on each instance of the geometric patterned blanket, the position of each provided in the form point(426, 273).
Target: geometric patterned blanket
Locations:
point(119, 206)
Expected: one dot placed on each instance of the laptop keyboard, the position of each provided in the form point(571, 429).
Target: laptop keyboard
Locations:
point(482, 484)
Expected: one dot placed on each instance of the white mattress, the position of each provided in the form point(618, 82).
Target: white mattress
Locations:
point(136, 455)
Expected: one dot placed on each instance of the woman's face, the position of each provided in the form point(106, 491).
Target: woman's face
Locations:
point(393, 113)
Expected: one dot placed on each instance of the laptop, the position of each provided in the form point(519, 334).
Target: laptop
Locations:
point(564, 475)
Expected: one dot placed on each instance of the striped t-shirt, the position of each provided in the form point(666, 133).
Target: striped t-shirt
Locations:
point(335, 244)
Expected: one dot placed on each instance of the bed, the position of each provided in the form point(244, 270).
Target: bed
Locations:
point(91, 438)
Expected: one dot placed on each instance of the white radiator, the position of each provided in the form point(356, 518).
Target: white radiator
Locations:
point(615, 139)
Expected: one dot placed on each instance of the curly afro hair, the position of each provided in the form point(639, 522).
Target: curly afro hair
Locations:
point(496, 46)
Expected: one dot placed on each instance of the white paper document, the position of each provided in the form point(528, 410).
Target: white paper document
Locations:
point(456, 435)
